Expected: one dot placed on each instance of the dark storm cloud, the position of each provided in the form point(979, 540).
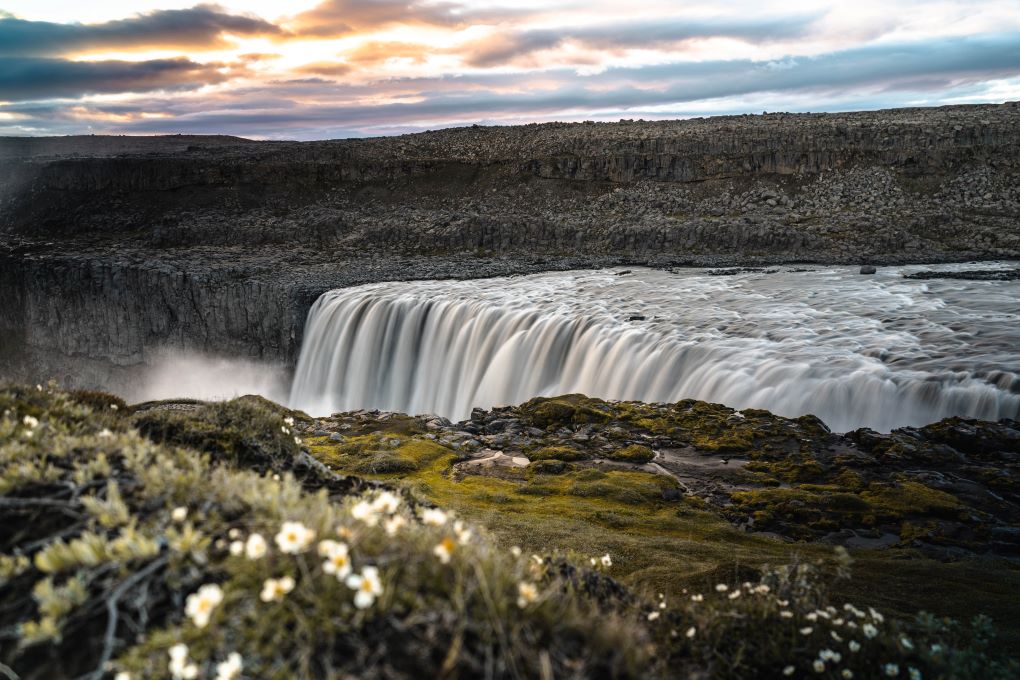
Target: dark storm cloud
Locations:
point(28, 78)
point(199, 27)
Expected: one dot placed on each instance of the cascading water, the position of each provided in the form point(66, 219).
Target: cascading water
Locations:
point(878, 351)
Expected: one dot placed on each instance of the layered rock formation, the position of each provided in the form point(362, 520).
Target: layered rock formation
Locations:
point(113, 247)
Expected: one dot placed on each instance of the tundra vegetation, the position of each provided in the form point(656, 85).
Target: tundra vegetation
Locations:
point(566, 537)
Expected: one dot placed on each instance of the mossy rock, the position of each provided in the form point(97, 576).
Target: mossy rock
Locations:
point(550, 467)
point(635, 453)
point(563, 453)
point(248, 431)
point(566, 411)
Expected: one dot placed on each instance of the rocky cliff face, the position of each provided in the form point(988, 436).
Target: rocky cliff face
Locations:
point(113, 247)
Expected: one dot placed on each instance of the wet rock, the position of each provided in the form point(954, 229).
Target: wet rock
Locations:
point(868, 269)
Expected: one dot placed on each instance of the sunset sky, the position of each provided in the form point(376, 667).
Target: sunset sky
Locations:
point(344, 68)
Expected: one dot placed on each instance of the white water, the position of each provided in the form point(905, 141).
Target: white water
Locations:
point(878, 351)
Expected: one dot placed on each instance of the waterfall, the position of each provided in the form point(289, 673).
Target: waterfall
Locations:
point(857, 351)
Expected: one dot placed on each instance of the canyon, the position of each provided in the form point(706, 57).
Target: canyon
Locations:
point(236, 239)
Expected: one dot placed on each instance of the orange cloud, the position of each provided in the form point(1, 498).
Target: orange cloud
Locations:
point(324, 68)
point(376, 52)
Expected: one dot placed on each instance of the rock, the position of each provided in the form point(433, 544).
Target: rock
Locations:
point(868, 269)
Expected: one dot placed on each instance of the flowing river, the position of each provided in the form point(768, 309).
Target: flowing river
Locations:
point(878, 351)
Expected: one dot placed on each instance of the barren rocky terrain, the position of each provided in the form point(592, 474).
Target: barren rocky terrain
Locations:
point(236, 238)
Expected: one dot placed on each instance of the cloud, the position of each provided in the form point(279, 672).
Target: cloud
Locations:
point(889, 73)
point(647, 34)
point(372, 53)
point(30, 78)
point(201, 27)
point(340, 17)
point(325, 68)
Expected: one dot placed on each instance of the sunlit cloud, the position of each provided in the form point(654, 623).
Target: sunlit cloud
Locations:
point(362, 67)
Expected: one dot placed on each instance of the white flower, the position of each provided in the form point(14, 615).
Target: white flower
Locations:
point(30, 422)
point(829, 655)
point(106, 434)
point(936, 649)
point(806, 630)
point(691, 632)
point(697, 598)
point(876, 616)
point(365, 512)
point(123, 675)
point(606, 561)
point(274, 589)
point(653, 616)
point(236, 548)
point(284, 429)
point(387, 502)
point(234, 534)
point(434, 517)
point(394, 524)
point(200, 605)
point(526, 594)
point(812, 616)
point(734, 595)
point(515, 550)
point(891, 669)
point(914, 673)
point(179, 667)
point(338, 561)
point(114, 407)
point(229, 669)
point(289, 420)
point(835, 636)
point(854, 646)
point(255, 547)
point(327, 546)
point(463, 533)
point(789, 670)
point(721, 588)
point(179, 514)
point(786, 614)
point(297, 440)
point(818, 665)
point(847, 674)
point(907, 644)
point(869, 630)
point(368, 586)
point(444, 550)
point(294, 538)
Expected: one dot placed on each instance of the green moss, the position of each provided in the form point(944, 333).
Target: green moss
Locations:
point(635, 453)
point(906, 498)
point(563, 453)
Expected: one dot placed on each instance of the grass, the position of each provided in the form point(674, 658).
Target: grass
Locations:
point(111, 521)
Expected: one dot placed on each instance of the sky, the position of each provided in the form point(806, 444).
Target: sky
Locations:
point(352, 68)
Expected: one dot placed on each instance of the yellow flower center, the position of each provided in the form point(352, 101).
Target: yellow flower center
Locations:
point(366, 585)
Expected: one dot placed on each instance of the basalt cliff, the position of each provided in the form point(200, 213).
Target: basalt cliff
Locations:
point(235, 238)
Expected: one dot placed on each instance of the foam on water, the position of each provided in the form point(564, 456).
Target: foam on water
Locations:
point(878, 351)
